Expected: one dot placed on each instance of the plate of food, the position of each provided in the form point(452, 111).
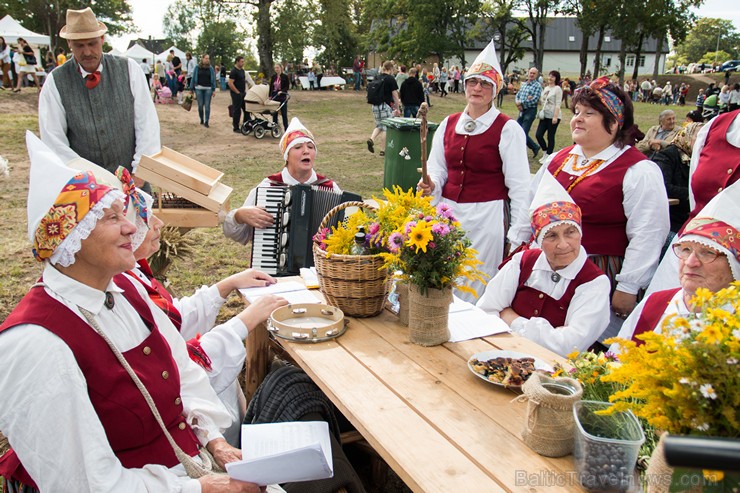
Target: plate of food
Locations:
point(506, 368)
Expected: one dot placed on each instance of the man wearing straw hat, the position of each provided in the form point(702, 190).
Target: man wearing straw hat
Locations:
point(97, 106)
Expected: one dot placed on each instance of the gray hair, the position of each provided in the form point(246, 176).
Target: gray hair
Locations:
point(664, 114)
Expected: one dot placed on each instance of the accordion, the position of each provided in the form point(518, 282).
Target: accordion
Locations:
point(297, 211)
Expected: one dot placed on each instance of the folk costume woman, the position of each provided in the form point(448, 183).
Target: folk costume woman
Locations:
point(715, 165)
point(552, 294)
point(298, 149)
point(478, 165)
point(218, 349)
point(708, 257)
point(620, 193)
point(78, 420)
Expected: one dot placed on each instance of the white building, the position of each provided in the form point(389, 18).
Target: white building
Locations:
point(563, 46)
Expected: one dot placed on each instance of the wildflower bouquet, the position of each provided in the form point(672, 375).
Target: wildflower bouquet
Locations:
point(390, 215)
point(431, 249)
point(685, 380)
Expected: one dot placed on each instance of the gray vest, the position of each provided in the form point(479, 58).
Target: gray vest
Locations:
point(100, 121)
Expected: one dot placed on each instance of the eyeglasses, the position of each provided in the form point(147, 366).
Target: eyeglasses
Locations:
point(703, 254)
point(475, 81)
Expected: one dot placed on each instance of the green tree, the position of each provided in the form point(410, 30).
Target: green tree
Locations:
point(704, 36)
point(712, 57)
point(292, 29)
point(335, 34)
point(47, 17)
point(537, 13)
point(218, 39)
point(506, 30)
point(180, 23)
point(592, 17)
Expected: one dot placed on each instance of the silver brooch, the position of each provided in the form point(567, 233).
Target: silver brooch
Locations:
point(469, 126)
point(555, 277)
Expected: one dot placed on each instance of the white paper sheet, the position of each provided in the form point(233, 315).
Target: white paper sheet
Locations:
point(474, 322)
point(277, 288)
point(275, 453)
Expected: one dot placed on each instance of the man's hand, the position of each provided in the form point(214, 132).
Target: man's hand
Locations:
point(655, 144)
point(257, 312)
point(249, 278)
point(222, 452)
point(623, 304)
point(253, 216)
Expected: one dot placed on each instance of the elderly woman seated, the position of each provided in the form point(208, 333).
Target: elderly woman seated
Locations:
point(78, 347)
point(552, 295)
point(298, 148)
point(708, 257)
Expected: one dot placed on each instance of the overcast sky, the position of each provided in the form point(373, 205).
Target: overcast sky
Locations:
point(148, 16)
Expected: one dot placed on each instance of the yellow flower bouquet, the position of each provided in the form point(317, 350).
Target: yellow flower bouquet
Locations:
point(685, 380)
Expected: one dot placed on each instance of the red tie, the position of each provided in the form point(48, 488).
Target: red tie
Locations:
point(92, 80)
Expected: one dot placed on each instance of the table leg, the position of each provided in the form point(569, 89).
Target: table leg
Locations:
point(258, 360)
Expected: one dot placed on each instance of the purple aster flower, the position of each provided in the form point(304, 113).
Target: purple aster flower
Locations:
point(409, 226)
point(395, 241)
point(441, 229)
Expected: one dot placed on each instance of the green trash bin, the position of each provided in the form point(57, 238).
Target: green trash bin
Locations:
point(401, 165)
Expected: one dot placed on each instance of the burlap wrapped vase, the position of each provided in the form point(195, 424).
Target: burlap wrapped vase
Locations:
point(659, 474)
point(550, 426)
point(428, 316)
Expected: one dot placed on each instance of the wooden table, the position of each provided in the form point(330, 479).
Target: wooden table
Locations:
point(435, 423)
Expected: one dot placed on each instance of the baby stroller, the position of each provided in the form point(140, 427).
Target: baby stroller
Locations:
point(162, 95)
point(257, 102)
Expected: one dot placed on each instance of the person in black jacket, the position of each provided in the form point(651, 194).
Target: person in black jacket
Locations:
point(673, 161)
point(412, 94)
point(279, 85)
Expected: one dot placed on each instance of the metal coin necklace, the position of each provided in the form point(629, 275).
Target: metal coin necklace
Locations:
point(469, 126)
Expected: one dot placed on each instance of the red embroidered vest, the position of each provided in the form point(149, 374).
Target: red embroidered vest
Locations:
point(652, 311)
point(133, 434)
point(719, 165)
point(321, 181)
point(600, 198)
point(474, 167)
point(529, 302)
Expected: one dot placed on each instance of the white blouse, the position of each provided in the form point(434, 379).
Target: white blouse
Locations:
point(588, 312)
point(242, 233)
point(645, 205)
point(53, 426)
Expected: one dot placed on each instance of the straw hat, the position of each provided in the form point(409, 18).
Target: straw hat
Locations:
point(82, 24)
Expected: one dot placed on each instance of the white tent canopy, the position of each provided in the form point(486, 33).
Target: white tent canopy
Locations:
point(11, 30)
point(114, 51)
point(138, 53)
point(178, 52)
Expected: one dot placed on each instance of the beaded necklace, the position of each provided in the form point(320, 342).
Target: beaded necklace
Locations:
point(587, 166)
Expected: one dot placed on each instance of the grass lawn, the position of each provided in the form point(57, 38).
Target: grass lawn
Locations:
point(340, 120)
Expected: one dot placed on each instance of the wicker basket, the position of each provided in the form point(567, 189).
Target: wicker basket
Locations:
point(356, 284)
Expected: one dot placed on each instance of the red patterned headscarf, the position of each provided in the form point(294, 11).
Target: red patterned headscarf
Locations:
point(552, 214)
point(608, 98)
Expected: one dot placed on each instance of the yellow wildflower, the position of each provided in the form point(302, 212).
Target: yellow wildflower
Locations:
point(420, 236)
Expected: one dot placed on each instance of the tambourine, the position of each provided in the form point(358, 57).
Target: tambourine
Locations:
point(307, 322)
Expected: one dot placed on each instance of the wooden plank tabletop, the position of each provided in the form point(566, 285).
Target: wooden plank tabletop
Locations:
point(435, 423)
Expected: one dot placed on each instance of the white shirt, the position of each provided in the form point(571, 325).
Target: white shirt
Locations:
point(734, 97)
point(733, 137)
point(190, 66)
point(145, 68)
point(224, 345)
point(483, 221)
point(53, 116)
point(53, 426)
point(242, 233)
point(645, 205)
point(677, 306)
point(5, 54)
point(588, 311)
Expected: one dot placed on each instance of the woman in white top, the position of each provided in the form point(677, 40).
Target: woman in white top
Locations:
point(478, 165)
point(4, 64)
point(735, 97)
point(552, 294)
point(549, 115)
